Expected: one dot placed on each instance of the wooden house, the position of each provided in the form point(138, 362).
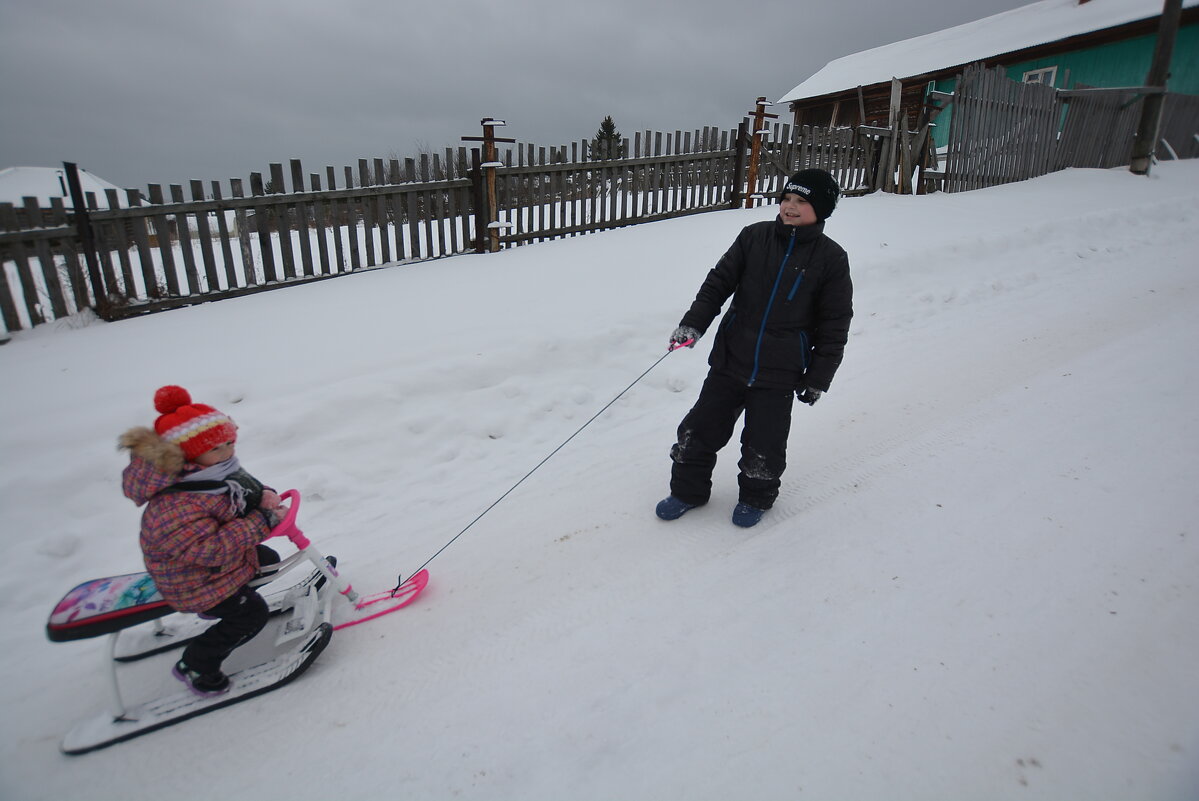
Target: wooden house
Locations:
point(1064, 43)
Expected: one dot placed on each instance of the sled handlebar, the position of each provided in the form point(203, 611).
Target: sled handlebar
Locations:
point(287, 526)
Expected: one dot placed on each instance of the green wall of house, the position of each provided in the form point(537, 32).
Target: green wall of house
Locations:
point(1123, 63)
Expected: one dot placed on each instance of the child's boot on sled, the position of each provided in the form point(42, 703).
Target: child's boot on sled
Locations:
point(202, 684)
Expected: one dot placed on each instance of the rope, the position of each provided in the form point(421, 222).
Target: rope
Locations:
point(534, 470)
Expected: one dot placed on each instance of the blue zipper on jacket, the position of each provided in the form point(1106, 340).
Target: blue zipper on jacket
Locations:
point(769, 304)
point(795, 286)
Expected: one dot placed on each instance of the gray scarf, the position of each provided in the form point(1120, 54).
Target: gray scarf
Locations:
point(241, 486)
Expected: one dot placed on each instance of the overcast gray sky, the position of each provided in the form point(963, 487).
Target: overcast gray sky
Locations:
point(163, 91)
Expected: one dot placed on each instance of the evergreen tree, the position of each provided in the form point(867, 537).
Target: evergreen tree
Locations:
point(608, 143)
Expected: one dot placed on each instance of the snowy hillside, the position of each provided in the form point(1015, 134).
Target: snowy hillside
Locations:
point(980, 581)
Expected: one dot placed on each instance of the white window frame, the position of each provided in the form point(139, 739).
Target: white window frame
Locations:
point(1045, 75)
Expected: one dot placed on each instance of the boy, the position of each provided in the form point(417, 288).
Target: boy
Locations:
point(204, 519)
point(782, 337)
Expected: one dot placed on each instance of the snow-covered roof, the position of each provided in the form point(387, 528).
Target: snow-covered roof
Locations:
point(1035, 24)
point(44, 183)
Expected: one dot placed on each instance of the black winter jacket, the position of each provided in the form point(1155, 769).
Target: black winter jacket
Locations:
point(792, 303)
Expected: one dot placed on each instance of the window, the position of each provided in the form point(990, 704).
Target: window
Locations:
point(1045, 76)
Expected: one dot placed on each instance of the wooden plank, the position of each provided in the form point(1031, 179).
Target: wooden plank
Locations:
point(393, 213)
point(302, 217)
point(1015, 130)
point(336, 211)
point(570, 182)
point(610, 190)
point(225, 237)
point(162, 236)
point(984, 114)
point(119, 239)
point(379, 207)
point(367, 211)
point(970, 106)
point(353, 213)
point(183, 233)
point(679, 174)
point(204, 234)
point(107, 237)
point(426, 207)
point(453, 209)
point(954, 159)
point(438, 216)
point(264, 222)
point(538, 193)
point(466, 199)
point(321, 222)
point(992, 130)
point(145, 254)
point(249, 270)
point(412, 210)
point(282, 217)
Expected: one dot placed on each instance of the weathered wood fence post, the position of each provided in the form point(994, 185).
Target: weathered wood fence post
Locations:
point(87, 241)
point(739, 147)
point(755, 149)
point(488, 220)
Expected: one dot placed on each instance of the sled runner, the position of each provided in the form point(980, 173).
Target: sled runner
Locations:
point(139, 624)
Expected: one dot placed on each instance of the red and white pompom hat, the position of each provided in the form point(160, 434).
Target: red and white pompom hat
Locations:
point(194, 427)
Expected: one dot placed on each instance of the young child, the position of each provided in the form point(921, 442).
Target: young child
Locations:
point(200, 532)
point(782, 337)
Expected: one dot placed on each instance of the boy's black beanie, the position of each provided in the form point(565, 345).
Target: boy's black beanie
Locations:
point(817, 187)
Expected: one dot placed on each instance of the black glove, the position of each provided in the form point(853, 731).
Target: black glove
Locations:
point(683, 335)
point(808, 395)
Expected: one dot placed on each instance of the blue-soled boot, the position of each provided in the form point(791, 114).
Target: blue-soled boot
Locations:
point(747, 516)
point(671, 508)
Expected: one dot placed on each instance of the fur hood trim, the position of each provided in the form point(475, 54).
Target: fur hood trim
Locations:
point(146, 444)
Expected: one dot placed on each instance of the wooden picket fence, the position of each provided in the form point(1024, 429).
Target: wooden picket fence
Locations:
point(1004, 130)
point(135, 253)
point(138, 253)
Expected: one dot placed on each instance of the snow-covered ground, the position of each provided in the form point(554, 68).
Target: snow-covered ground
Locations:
point(980, 581)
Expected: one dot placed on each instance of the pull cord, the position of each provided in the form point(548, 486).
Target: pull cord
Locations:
point(496, 502)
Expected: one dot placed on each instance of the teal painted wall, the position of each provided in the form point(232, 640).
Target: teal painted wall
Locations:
point(1118, 64)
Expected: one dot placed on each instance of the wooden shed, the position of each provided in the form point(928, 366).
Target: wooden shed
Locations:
point(1062, 43)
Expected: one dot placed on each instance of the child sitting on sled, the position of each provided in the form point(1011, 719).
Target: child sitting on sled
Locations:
point(201, 531)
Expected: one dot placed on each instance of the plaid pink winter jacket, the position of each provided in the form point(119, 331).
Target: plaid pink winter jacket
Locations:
point(198, 551)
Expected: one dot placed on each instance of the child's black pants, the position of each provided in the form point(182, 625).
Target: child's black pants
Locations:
point(240, 617)
point(709, 426)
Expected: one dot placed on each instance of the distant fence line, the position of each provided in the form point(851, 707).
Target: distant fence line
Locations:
point(164, 250)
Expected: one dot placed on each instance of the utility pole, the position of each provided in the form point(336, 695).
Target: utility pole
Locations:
point(1159, 71)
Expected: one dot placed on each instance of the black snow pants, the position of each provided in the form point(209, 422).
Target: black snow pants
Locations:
point(709, 426)
point(239, 619)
